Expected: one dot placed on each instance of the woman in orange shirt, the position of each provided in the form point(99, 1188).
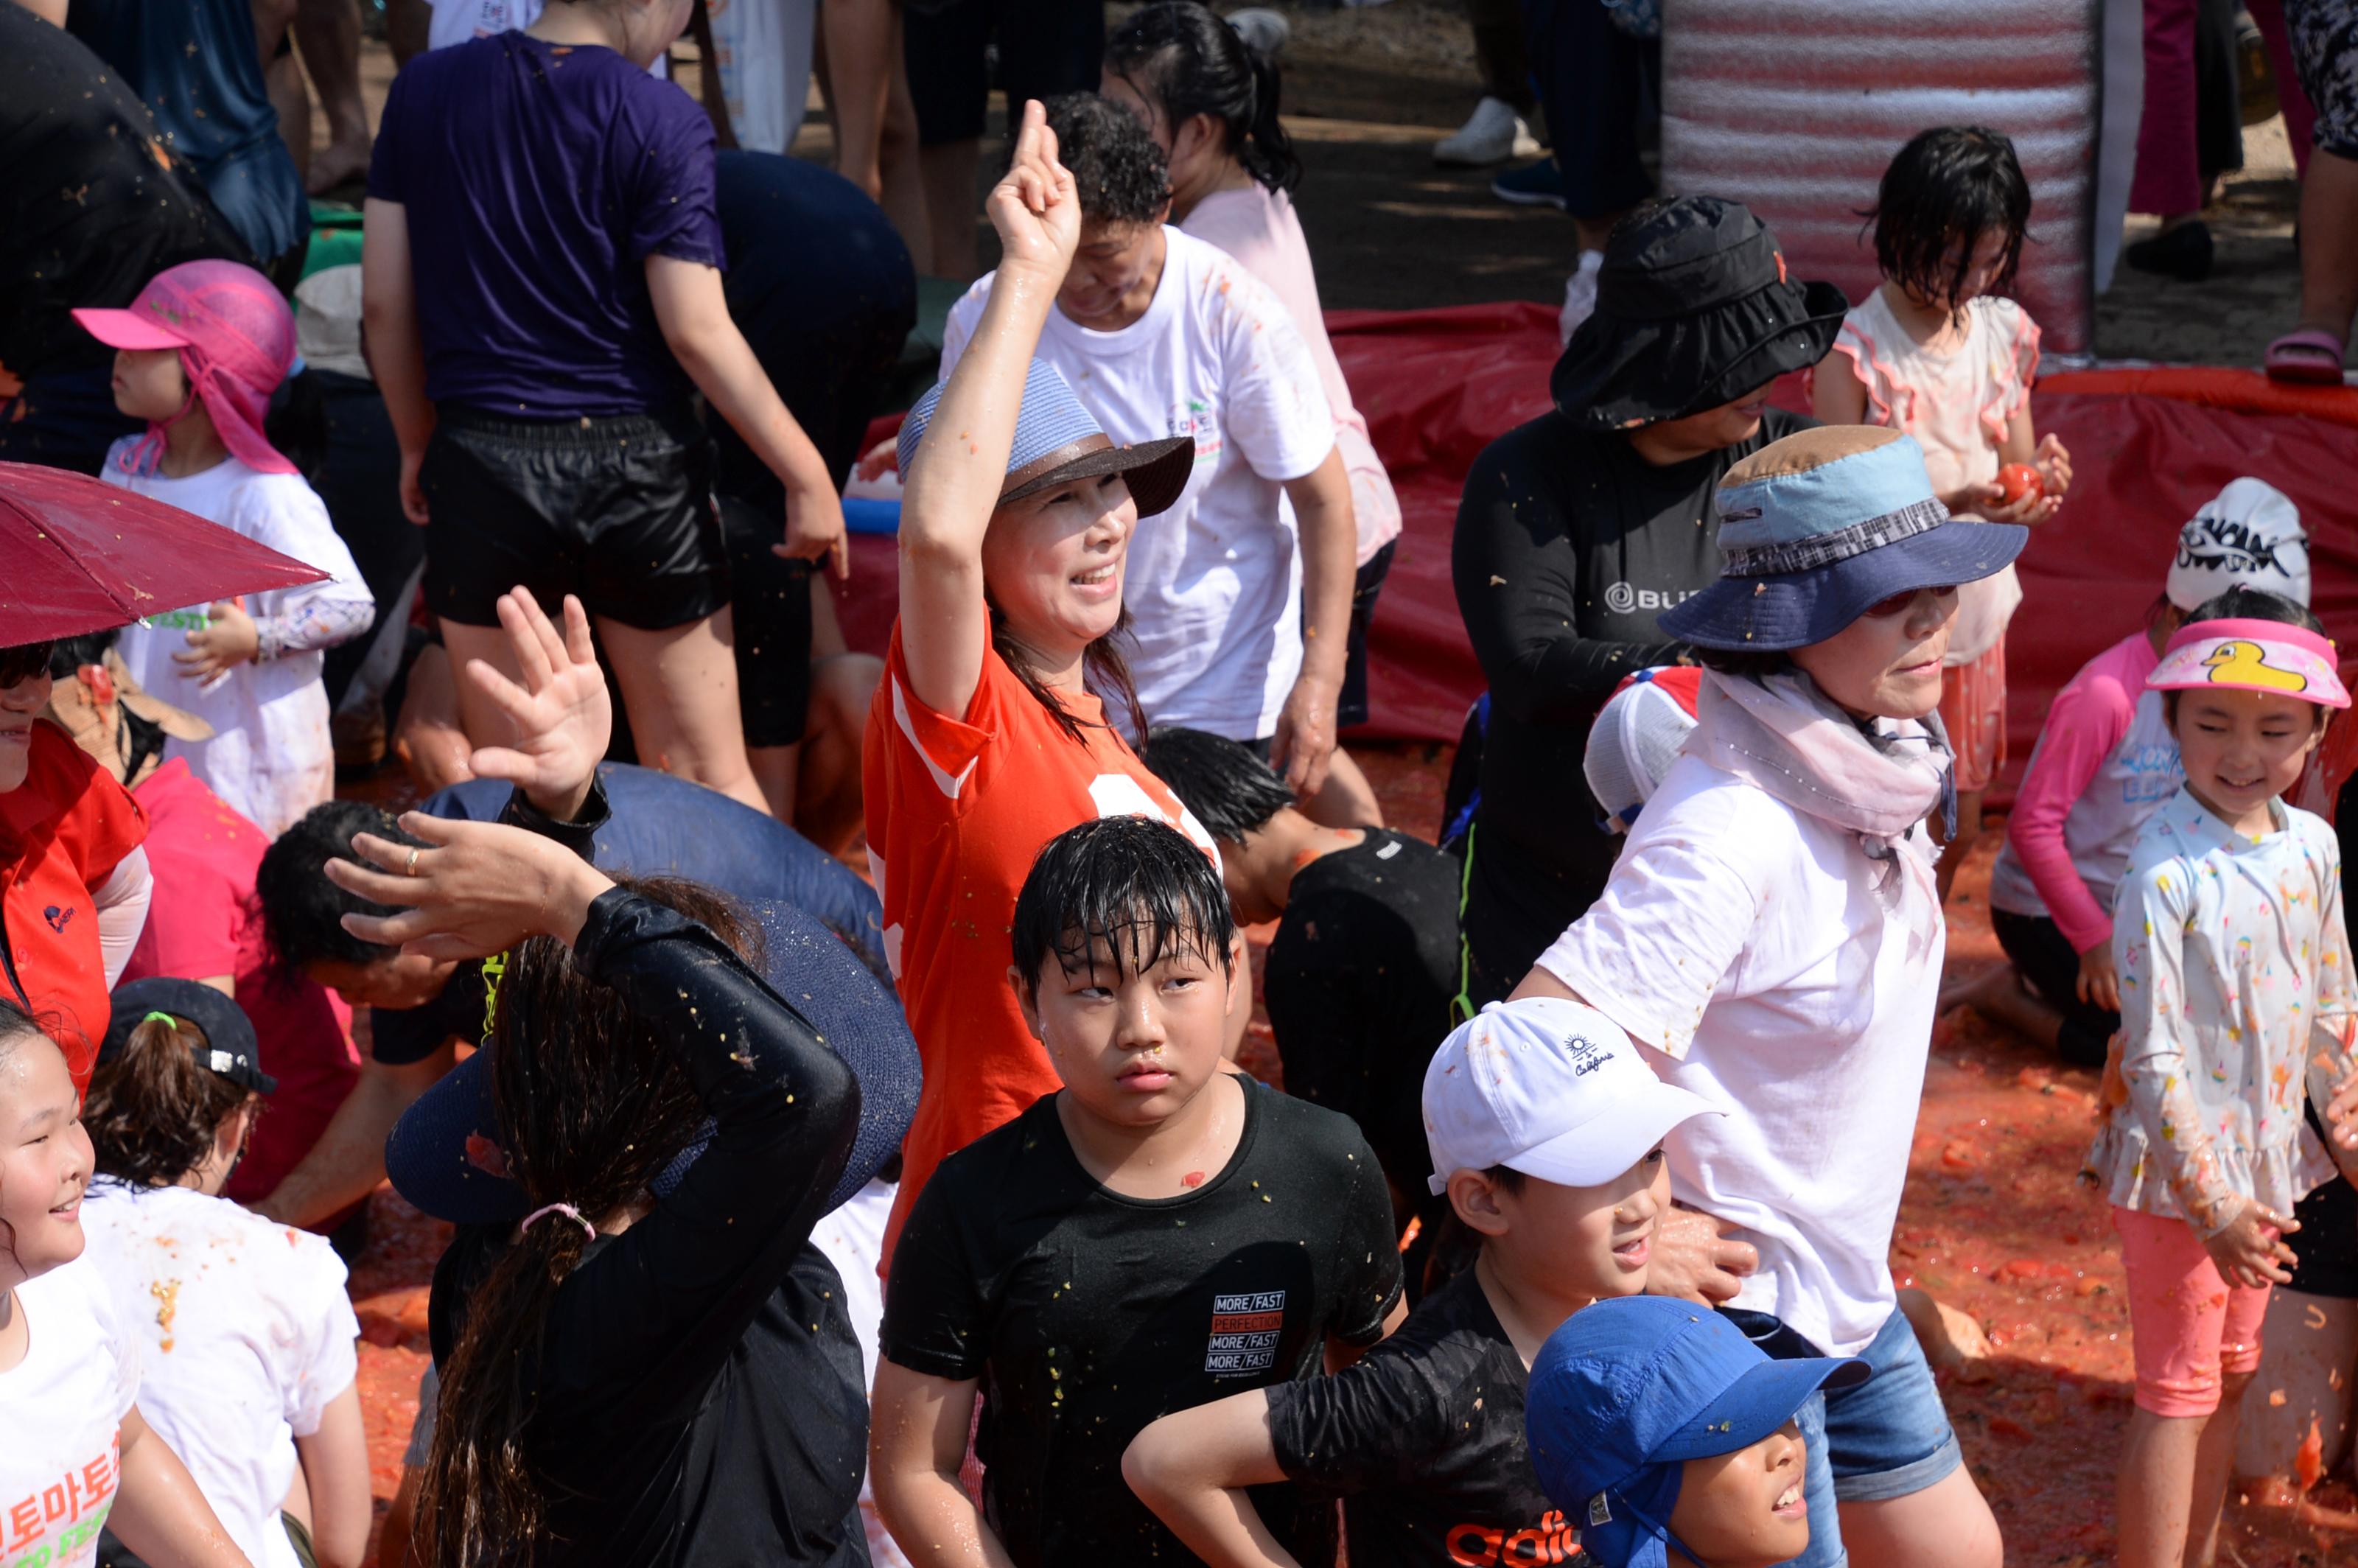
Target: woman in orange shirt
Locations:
point(73, 878)
point(988, 736)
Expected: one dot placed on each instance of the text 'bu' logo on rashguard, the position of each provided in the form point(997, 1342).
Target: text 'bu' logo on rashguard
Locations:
point(1245, 1329)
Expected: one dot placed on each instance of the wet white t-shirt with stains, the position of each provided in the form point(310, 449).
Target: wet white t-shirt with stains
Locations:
point(245, 1334)
point(1214, 584)
point(61, 1410)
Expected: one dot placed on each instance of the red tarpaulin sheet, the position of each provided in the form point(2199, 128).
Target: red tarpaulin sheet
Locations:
point(2148, 448)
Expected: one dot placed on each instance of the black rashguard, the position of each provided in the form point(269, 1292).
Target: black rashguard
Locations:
point(1568, 546)
point(1359, 979)
point(1085, 1314)
point(697, 1395)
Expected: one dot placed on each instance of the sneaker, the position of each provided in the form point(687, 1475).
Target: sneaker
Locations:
point(1538, 184)
point(1579, 295)
point(1492, 134)
point(1263, 30)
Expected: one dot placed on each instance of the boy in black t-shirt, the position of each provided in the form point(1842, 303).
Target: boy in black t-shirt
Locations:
point(1158, 1234)
point(1546, 1127)
point(1365, 962)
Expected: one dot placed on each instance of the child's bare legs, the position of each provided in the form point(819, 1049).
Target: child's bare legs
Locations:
point(828, 809)
point(680, 687)
point(2214, 1462)
point(2157, 1488)
point(1946, 1525)
point(875, 124)
point(328, 34)
point(2328, 245)
point(2000, 996)
point(948, 173)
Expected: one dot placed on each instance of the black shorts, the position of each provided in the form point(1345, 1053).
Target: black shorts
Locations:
point(1045, 46)
point(771, 599)
point(1352, 706)
point(2327, 1242)
point(617, 511)
point(2042, 954)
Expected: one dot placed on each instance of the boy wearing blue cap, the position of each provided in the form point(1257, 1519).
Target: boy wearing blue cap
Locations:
point(1672, 1439)
point(1545, 1128)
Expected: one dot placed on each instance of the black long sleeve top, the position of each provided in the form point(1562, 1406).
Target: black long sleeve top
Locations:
point(698, 1394)
point(1568, 545)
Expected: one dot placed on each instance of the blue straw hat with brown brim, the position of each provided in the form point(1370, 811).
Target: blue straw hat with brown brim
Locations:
point(1057, 440)
point(1819, 527)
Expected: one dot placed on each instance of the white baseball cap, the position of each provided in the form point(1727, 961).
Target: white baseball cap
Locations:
point(1550, 1088)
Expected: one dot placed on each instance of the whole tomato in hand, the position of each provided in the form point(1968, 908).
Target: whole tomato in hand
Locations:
point(2019, 479)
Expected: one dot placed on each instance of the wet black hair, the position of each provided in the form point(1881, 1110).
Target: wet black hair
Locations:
point(1188, 59)
point(67, 654)
point(1947, 188)
point(1231, 791)
point(302, 911)
point(2244, 603)
point(1752, 663)
point(1118, 170)
point(1129, 886)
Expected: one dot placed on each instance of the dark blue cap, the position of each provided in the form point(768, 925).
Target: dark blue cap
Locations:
point(444, 1155)
point(1630, 1388)
point(230, 1049)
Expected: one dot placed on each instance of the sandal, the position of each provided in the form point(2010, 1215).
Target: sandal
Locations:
point(2311, 357)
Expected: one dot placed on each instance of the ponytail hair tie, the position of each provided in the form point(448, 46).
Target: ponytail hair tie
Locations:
point(168, 1020)
point(568, 1210)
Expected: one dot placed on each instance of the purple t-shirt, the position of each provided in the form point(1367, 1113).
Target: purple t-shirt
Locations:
point(538, 177)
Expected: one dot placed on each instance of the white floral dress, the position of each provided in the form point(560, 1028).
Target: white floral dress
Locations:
point(2235, 998)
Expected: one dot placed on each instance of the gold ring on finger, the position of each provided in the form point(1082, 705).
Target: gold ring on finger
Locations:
point(411, 868)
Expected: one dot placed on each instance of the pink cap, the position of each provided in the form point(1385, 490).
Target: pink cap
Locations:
point(236, 340)
point(2251, 655)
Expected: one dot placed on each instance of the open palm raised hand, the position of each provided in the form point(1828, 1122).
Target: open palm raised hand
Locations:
point(1035, 208)
point(561, 711)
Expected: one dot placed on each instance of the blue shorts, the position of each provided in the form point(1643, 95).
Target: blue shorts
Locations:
point(1887, 1438)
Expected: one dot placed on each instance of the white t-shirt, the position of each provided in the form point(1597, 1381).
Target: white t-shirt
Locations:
point(62, 1412)
point(1215, 583)
point(270, 758)
point(245, 1333)
point(1789, 980)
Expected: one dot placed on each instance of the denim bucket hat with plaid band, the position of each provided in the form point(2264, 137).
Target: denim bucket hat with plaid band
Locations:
point(1823, 525)
point(1057, 440)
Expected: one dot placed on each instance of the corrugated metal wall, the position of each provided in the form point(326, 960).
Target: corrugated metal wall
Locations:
point(1795, 107)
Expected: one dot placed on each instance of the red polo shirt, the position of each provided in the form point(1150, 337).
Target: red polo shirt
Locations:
point(62, 833)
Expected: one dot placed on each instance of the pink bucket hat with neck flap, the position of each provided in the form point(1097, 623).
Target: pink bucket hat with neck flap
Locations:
point(237, 342)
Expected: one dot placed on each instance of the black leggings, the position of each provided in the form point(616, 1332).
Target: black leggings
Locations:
point(2042, 956)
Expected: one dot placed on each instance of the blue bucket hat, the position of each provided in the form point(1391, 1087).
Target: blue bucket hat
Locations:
point(1057, 440)
point(1630, 1389)
point(444, 1153)
point(1823, 525)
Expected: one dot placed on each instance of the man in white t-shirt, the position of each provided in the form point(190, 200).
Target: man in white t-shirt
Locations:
point(1241, 592)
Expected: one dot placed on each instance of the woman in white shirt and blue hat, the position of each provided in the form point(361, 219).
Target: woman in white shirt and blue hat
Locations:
point(1772, 932)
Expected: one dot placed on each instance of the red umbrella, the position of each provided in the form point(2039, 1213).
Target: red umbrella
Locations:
point(78, 555)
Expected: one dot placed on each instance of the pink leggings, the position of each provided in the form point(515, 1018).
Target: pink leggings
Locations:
point(2187, 1325)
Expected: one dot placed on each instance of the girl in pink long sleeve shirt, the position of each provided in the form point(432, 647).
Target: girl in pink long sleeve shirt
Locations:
point(2105, 761)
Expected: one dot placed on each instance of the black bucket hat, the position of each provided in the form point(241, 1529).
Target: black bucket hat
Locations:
point(1693, 310)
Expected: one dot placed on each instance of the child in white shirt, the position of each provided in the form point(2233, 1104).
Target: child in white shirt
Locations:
point(77, 1457)
point(199, 354)
point(246, 1331)
point(2233, 965)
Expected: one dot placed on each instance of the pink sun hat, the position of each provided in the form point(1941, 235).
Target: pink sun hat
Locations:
point(236, 341)
point(2251, 655)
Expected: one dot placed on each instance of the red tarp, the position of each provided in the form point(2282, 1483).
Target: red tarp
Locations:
point(1437, 385)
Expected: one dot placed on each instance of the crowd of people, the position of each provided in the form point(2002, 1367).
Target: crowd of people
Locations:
point(925, 1216)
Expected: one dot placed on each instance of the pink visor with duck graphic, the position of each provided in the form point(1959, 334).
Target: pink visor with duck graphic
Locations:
point(236, 341)
point(2251, 655)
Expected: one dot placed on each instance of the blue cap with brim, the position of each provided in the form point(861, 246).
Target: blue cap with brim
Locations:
point(444, 1153)
point(1630, 1389)
point(1821, 526)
